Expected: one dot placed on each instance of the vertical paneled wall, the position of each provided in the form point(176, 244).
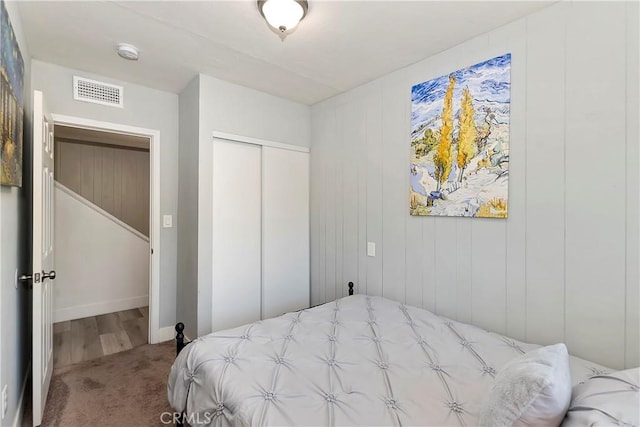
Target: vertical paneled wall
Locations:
point(564, 265)
point(115, 179)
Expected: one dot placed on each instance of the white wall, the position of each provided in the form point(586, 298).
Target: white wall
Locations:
point(187, 287)
point(113, 274)
point(564, 265)
point(234, 109)
point(15, 215)
point(143, 107)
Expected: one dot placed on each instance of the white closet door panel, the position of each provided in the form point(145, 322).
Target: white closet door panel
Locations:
point(236, 234)
point(285, 231)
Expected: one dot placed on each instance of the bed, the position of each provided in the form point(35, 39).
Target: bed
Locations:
point(359, 360)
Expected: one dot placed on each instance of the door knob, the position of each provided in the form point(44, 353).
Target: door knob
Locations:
point(50, 275)
point(27, 277)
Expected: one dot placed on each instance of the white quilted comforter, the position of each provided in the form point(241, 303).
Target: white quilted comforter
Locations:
point(355, 361)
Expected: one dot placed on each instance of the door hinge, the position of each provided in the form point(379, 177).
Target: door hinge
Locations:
point(151, 251)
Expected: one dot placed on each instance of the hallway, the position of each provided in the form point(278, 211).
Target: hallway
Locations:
point(93, 337)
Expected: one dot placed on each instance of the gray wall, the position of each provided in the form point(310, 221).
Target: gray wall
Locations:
point(234, 109)
point(113, 178)
point(187, 298)
point(564, 265)
point(15, 216)
point(143, 107)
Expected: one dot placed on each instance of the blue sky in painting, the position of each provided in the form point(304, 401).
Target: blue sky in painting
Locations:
point(10, 57)
point(488, 82)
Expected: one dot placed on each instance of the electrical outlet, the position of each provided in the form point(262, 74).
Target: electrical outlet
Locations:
point(5, 401)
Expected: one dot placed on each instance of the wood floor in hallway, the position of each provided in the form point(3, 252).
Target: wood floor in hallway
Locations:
point(92, 337)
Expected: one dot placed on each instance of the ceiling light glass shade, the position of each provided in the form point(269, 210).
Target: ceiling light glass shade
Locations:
point(283, 15)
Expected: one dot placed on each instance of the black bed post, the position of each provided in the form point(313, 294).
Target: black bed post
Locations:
point(179, 337)
point(179, 346)
point(350, 288)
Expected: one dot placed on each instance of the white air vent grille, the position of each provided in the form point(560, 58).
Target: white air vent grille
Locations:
point(97, 92)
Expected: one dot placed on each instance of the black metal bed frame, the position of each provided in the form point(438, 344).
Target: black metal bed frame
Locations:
point(181, 343)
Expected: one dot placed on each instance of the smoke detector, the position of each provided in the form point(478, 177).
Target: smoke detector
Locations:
point(127, 51)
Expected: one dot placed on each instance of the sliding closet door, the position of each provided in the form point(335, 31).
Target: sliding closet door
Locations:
point(236, 234)
point(285, 231)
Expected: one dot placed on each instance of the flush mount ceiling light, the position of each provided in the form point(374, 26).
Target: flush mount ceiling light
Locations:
point(127, 51)
point(283, 15)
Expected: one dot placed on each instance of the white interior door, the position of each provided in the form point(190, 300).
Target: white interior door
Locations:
point(43, 259)
point(236, 234)
point(285, 231)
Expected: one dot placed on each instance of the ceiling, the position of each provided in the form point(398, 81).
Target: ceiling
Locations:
point(338, 46)
point(81, 135)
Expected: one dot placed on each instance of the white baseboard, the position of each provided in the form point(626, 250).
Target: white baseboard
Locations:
point(103, 307)
point(17, 420)
point(166, 334)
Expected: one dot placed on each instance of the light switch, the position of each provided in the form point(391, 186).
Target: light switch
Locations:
point(167, 221)
point(371, 249)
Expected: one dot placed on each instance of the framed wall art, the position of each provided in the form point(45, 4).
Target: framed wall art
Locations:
point(459, 164)
point(11, 103)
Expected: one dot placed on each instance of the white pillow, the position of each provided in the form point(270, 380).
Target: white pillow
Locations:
point(531, 390)
point(607, 399)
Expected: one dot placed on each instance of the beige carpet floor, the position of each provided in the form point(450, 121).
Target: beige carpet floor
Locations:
point(123, 389)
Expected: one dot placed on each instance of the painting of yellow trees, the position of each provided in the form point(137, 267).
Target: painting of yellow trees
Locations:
point(460, 142)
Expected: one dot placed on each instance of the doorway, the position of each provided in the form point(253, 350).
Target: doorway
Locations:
point(100, 301)
point(119, 198)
